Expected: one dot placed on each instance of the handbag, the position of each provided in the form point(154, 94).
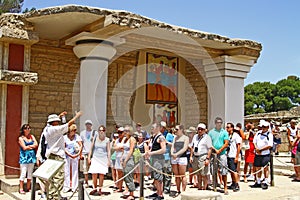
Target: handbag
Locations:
point(246, 145)
point(136, 155)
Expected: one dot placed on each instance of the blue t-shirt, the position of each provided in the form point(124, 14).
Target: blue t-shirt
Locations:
point(169, 138)
point(218, 138)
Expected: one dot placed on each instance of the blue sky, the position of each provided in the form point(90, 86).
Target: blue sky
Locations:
point(274, 23)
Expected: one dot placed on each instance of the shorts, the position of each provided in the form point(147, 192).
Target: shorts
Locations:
point(118, 165)
point(293, 155)
point(222, 166)
point(158, 165)
point(261, 160)
point(179, 161)
point(231, 164)
point(297, 158)
point(197, 165)
point(277, 140)
point(84, 164)
point(112, 163)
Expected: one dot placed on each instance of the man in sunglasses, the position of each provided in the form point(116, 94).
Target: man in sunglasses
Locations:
point(200, 155)
point(220, 141)
point(263, 142)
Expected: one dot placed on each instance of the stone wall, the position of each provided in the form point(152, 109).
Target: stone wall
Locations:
point(57, 69)
point(58, 86)
point(119, 105)
point(192, 74)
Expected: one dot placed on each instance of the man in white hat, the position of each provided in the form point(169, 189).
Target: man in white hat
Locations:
point(53, 133)
point(86, 136)
point(263, 142)
point(201, 148)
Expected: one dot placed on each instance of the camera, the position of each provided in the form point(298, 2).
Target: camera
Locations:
point(196, 149)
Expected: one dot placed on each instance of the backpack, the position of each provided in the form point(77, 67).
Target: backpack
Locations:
point(43, 147)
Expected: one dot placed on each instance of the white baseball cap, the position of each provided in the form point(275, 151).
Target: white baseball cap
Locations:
point(163, 124)
point(88, 122)
point(201, 125)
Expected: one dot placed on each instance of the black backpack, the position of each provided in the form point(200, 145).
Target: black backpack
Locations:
point(43, 147)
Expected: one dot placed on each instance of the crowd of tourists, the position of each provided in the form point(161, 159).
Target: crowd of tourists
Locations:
point(166, 152)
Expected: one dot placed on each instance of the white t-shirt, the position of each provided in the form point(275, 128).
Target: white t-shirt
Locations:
point(55, 140)
point(234, 140)
point(72, 146)
point(262, 140)
point(86, 137)
point(203, 143)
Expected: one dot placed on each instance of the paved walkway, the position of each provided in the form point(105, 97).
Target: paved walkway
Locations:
point(284, 189)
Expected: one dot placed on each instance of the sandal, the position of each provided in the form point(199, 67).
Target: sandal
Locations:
point(130, 198)
point(176, 194)
point(22, 191)
point(119, 190)
point(93, 192)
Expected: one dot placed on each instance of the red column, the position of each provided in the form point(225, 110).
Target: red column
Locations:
point(13, 111)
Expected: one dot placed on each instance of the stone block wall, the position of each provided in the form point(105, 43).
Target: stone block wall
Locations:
point(121, 80)
point(58, 87)
point(57, 70)
point(198, 86)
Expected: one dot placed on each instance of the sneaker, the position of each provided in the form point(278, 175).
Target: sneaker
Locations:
point(66, 190)
point(137, 188)
point(264, 186)
point(152, 195)
point(236, 188)
point(43, 196)
point(166, 191)
point(231, 187)
point(157, 198)
point(256, 185)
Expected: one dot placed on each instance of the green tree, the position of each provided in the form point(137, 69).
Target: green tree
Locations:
point(12, 6)
point(263, 97)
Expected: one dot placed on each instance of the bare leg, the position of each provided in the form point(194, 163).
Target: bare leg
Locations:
point(205, 182)
point(245, 172)
point(21, 185)
point(224, 179)
point(28, 184)
point(94, 177)
point(177, 179)
point(181, 170)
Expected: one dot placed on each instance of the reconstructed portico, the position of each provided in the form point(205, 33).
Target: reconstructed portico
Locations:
point(98, 61)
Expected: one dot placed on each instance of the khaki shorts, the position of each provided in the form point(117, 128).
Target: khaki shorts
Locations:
point(84, 165)
point(197, 165)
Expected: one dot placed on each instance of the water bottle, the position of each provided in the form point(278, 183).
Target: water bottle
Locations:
point(63, 119)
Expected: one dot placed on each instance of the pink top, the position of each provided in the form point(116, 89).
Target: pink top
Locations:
point(294, 150)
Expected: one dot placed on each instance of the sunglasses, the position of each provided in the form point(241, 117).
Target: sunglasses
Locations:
point(101, 130)
point(228, 127)
point(265, 127)
point(28, 128)
point(200, 129)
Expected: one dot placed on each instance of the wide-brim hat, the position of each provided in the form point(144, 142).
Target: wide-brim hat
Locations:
point(191, 130)
point(53, 118)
